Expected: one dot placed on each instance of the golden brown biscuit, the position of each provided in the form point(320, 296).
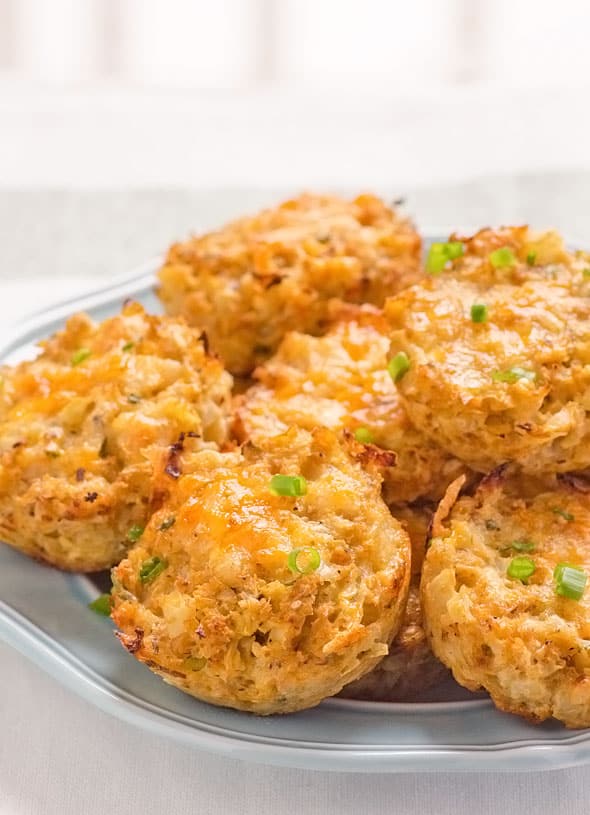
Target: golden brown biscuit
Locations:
point(497, 350)
point(341, 381)
point(257, 278)
point(410, 667)
point(266, 602)
point(493, 609)
point(80, 425)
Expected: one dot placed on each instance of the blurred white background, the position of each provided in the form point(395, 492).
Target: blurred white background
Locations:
point(259, 92)
point(345, 45)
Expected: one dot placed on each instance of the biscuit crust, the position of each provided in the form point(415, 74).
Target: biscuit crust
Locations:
point(341, 381)
point(227, 619)
point(515, 387)
point(81, 424)
point(255, 279)
point(521, 641)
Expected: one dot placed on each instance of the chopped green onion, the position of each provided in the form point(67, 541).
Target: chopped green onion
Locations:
point(364, 435)
point(80, 355)
point(531, 258)
point(135, 533)
point(513, 374)
point(521, 568)
point(169, 522)
point(134, 399)
point(502, 257)
point(151, 568)
point(398, 366)
point(440, 254)
point(304, 560)
point(128, 346)
point(102, 605)
point(586, 273)
point(288, 485)
point(563, 513)
point(570, 581)
point(522, 546)
point(479, 313)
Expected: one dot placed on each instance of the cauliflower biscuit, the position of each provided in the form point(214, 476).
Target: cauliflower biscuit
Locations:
point(259, 277)
point(341, 381)
point(492, 356)
point(270, 579)
point(81, 424)
point(410, 668)
point(498, 611)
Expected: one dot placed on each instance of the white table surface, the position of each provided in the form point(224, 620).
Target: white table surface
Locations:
point(60, 755)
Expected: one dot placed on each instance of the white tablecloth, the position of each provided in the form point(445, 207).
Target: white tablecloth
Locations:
point(61, 756)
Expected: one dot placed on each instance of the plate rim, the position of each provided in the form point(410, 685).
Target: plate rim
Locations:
point(55, 659)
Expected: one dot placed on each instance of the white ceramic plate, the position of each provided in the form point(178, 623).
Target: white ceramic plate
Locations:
point(44, 614)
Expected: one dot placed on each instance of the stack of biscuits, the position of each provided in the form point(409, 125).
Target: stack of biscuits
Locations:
point(337, 465)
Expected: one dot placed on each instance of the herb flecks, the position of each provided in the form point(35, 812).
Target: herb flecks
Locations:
point(102, 605)
point(567, 516)
point(80, 356)
point(135, 533)
point(521, 568)
point(398, 366)
point(502, 258)
point(151, 568)
point(513, 375)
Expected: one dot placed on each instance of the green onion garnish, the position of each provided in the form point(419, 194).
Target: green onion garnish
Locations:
point(288, 485)
point(531, 258)
point(151, 568)
point(570, 581)
point(135, 533)
point(563, 513)
point(513, 374)
point(364, 435)
point(522, 546)
point(586, 273)
point(440, 254)
point(304, 560)
point(169, 522)
point(398, 366)
point(521, 568)
point(502, 257)
point(128, 346)
point(102, 605)
point(479, 313)
point(80, 355)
